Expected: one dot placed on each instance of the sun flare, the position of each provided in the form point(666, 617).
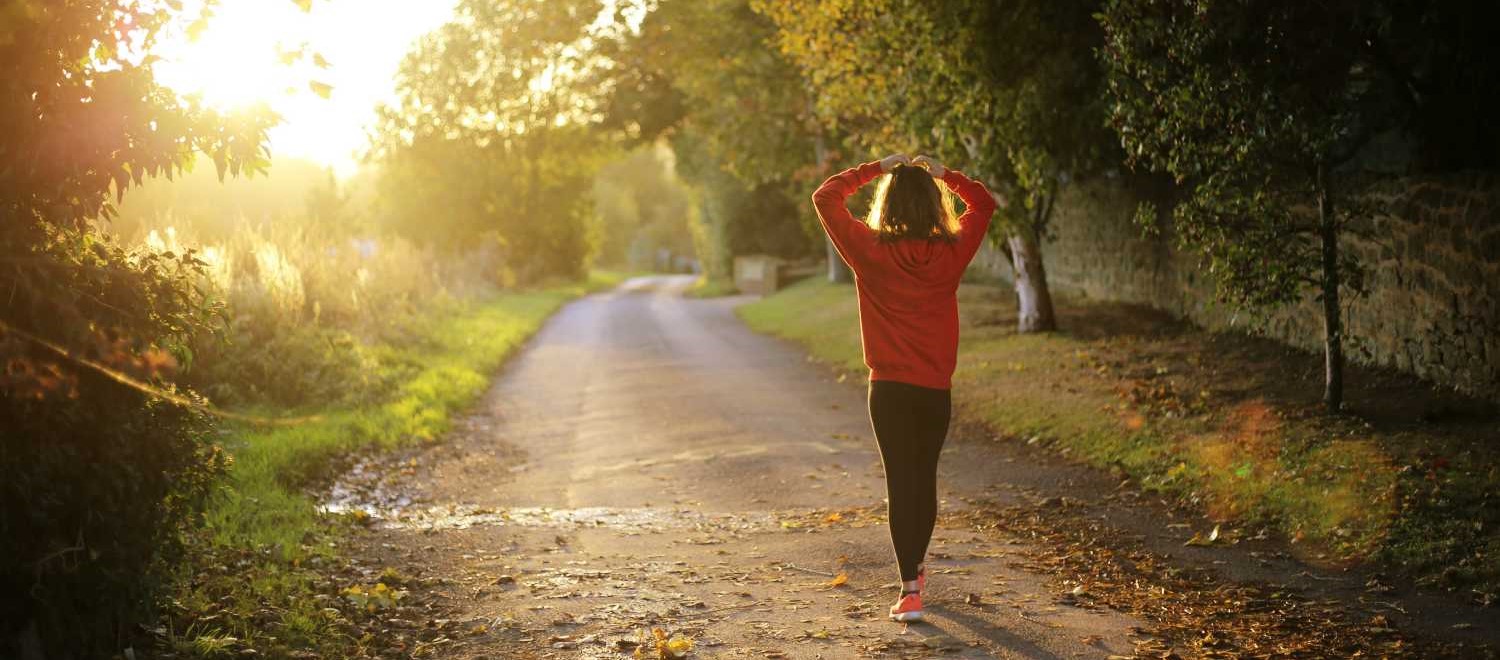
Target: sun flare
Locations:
point(323, 71)
point(234, 60)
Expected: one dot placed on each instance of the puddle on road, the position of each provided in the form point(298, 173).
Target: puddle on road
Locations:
point(366, 489)
point(647, 519)
point(390, 508)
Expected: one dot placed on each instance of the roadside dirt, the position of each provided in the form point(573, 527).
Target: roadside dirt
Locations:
point(650, 464)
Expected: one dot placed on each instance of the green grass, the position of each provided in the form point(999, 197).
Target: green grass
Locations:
point(1211, 420)
point(265, 523)
point(455, 354)
point(707, 287)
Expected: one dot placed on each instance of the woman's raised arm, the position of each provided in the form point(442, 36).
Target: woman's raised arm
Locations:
point(831, 201)
point(979, 204)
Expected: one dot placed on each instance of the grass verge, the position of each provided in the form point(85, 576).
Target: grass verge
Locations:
point(707, 287)
point(1228, 424)
point(266, 577)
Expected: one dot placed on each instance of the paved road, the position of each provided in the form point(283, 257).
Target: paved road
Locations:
point(650, 462)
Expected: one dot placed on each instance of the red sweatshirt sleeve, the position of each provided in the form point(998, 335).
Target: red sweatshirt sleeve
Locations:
point(850, 236)
point(979, 206)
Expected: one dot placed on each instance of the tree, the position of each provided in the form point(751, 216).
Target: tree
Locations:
point(98, 476)
point(1253, 106)
point(85, 121)
point(1008, 91)
point(642, 207)
point(737, 115)
point(496, 125)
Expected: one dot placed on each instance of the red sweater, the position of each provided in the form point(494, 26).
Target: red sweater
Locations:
point(908, 289)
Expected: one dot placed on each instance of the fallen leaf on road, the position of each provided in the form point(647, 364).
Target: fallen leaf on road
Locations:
point(661, 646)
point(378, 597)
point(1200, 540)
point(839, 580)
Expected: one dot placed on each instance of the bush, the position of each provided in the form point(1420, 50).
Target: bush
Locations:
point(94, 493)
point(96, 476)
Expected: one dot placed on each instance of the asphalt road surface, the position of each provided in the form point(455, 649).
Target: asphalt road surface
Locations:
point(649, 462)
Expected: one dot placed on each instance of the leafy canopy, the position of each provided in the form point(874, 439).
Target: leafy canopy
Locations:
point(1241, 102)
point(1008, 91)
point(495, 126)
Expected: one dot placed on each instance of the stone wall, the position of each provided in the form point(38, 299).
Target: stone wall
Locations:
point(1433, 302)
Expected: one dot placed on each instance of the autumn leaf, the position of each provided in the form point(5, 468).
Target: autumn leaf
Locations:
point(377, 597)
point(678, 646)
point(666, 647)
point(1200, 540)
point(322, 89)
point(839, 580)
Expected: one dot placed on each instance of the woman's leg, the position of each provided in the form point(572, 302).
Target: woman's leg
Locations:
point(910, 423)
point(932, 411)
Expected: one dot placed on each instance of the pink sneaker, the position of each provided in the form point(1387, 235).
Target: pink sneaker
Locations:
point(908, 608)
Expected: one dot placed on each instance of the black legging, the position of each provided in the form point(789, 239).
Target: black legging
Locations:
point(910, 425)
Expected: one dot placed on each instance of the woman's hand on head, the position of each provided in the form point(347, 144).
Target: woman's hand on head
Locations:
point(890, 162)
point(934, 168)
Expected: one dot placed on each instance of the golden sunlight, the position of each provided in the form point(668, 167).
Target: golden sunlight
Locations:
point(250, 52)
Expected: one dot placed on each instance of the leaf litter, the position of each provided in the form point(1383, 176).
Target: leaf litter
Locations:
point(1193, 613)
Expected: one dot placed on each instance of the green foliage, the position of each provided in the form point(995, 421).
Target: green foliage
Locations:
point(1007, 91)
point(493, 127)
point(706, 287)
point(732, 217)
point(747, 105)
point(442, 364)
point(1251, 105)
point(739, 119)
point(95, 492)
point(642, 207)
point(97, 479)
point(1242, 103)
point(305, 304)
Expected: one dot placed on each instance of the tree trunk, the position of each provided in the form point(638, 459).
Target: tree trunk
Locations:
point(1333, 326)
point(1033, 298)
point(1034, 311)
point(838, 271)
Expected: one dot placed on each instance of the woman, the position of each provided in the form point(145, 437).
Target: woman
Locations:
point(907, 259)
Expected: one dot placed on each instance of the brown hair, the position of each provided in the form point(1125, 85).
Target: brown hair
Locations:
point(909, 203)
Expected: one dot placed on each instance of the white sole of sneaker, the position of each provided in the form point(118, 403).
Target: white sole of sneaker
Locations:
point(907, 617)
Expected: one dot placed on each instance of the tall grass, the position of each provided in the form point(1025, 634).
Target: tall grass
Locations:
point(307, 308)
